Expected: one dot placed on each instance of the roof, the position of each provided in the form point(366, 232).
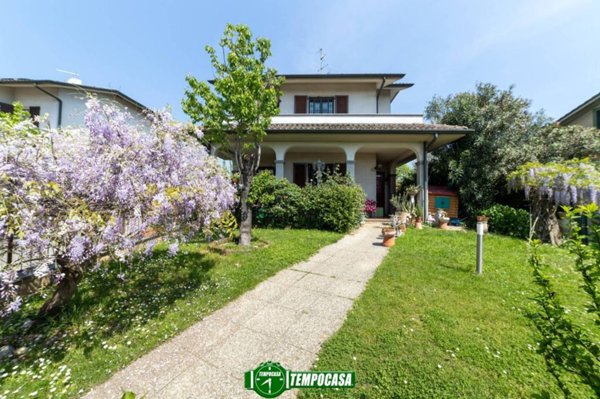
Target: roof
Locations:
point(390, 76)
point(364, 128)
point(580, 108)
point(440, 190)
point(55, 83)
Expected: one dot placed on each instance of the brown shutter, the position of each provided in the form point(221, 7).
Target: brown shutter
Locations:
point(341, 104)
point(300, 104)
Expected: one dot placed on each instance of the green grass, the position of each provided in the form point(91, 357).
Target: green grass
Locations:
point(428, 327)
point(119, 313)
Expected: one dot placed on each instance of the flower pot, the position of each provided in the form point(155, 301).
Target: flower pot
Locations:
point(389, 237)
point(418, 223)
point(443, 223)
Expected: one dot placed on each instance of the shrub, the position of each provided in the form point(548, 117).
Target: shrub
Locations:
point(336, 204)
point(508, 221)
point(275, 202)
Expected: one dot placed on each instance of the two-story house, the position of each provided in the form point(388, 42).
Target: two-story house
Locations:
point(345, 121)
point(63, 102)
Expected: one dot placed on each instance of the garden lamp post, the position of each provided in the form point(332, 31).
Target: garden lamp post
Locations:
point(480, 230)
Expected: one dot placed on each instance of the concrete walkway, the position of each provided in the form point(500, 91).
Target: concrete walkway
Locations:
point(284, 319)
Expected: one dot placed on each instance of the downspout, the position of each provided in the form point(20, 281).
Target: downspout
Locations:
point(378, 93)
point(426, 147)
point(60, 104)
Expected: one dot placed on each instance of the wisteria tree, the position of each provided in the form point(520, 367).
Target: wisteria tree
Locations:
point(74, 198)
point(236, 111)
point(549, 185)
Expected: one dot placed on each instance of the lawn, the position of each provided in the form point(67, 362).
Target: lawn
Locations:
point(428, 327)
point(120, 313)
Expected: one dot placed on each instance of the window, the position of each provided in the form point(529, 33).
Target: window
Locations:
point(34, 111)
point(306, 173)
point(8, 108)
point(321, 105)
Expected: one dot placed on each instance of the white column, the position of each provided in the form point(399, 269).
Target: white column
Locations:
point(279, 171)
point(350, 151)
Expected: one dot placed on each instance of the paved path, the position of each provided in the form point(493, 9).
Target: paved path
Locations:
point(285, 319)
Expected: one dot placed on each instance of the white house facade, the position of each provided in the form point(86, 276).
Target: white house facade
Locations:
point(586, 114)
point(344, 121)
point(62, 102)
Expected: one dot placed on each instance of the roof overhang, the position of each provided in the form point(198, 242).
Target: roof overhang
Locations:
point(16, 83)
point(579, 109)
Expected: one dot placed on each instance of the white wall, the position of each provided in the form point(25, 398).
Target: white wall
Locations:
point(365, 174)
point(73, 111)
point(585, 120)
point(361, 96)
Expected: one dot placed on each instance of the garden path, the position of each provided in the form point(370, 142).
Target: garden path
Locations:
point(284, 319)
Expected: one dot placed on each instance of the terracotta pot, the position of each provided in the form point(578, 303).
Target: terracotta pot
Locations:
point(444, 223)
point(418, 225)
point(389, 238)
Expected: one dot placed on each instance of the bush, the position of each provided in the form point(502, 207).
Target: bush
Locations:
point(275, 202)
point(508, 221)
point(336, 204)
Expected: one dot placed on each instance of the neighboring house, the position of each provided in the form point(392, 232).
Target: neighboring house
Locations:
point(586, 114)
point(64, 102)
point(344, 121)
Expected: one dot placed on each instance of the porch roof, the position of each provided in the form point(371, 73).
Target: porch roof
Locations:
point(365, 128)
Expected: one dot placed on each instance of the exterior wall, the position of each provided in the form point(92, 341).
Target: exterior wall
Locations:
point(586, 120)
point(73, 110)
point(452, 211)
point(365, 174)
point(361, 96)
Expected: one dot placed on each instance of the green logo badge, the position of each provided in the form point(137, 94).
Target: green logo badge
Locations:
point(270, 379)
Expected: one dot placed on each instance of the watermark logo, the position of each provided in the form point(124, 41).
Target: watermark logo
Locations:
point(270, 379)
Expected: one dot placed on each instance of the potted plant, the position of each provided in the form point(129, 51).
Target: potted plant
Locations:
point(443, 220)
point(370, 207)
point(418, 217)
point(412, 192)
point(389, 237)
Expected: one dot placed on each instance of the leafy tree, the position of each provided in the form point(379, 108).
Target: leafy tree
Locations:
point(571, 349)
point(73, 198)
point(405, 176)
point(236, 111)
point(555, 143)
point(477, 165)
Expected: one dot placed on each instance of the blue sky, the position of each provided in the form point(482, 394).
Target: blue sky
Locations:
point(549, 49)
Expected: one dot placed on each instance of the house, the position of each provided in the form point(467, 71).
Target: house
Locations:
point(344, 121)
point(64, 102)
point(441, 197)
point(586, 114)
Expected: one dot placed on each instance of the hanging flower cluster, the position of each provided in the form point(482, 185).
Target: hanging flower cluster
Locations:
point(78, 195)
point(572, 182)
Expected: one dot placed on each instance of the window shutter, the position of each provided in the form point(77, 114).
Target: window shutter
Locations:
point(300, 104)
point(341, 104)
point(598, 119)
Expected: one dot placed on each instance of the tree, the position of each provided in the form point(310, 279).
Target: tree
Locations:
point(555, 143)
point(549, 185)
point(236, 111)
point(73, 198)
point(477, 165)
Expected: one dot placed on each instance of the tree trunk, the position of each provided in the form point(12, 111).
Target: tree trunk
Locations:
point(64, 291)
point(245, 212)
point(547, 227)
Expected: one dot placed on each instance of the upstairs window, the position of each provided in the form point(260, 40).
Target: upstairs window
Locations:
point(321, 105)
